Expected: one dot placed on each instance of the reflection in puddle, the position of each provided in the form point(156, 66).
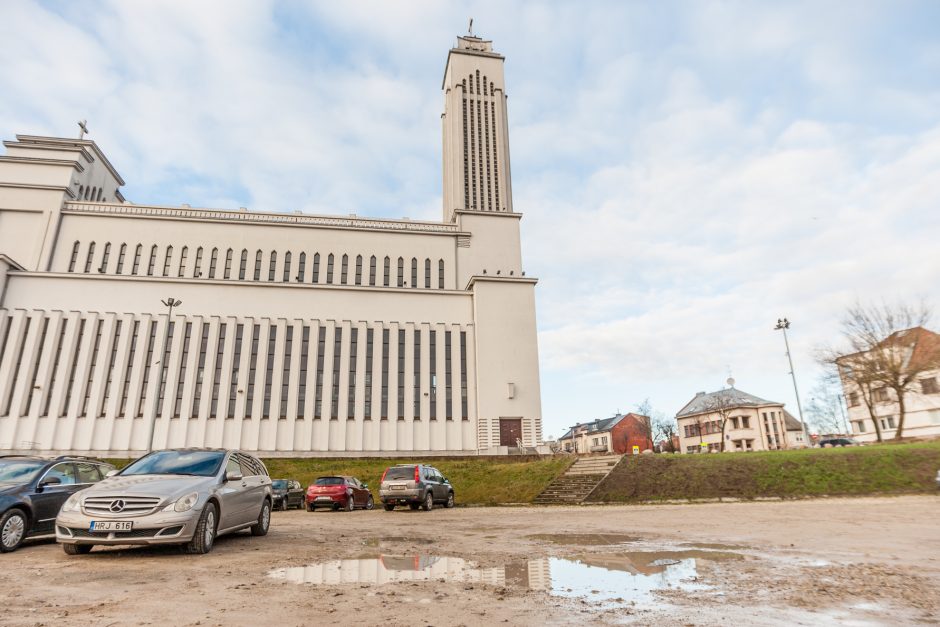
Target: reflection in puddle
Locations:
point(585, 539)
point(609, 580)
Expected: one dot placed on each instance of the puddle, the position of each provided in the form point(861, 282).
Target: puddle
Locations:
point(388, 539)
point(585, 539)
point(606, 580)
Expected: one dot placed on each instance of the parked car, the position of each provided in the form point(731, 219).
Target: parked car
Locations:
point(32, 489)
point(338, 492)
point(415, 485)
point(287, 493)
point(830, 442)
point(177, 496)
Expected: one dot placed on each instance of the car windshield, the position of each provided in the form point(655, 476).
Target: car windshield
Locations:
point(279, 484)
point(400, 472)
point(199, 463)
point(330, 481)
point(20, 471)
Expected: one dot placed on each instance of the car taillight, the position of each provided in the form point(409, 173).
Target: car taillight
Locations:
point(417, 475)
point(383, 474)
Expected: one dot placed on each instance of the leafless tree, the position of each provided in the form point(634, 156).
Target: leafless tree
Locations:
point(723, 405)
point(824, 410)
point(664, 430)
point(887, 347)
point(644, 412)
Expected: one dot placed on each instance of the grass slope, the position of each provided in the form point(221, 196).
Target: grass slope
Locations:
point(881, 469)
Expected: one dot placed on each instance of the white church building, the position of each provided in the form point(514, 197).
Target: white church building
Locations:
point(295, 334)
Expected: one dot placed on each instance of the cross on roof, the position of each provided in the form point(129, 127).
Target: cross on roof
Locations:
point(83, 128)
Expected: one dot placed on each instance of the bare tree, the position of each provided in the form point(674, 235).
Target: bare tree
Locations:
point(887, 348)
point(723, 405)
point(664, 430)
point(824, 410)
point(644, 412)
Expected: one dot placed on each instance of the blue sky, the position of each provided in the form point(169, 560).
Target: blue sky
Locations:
point(689, 171)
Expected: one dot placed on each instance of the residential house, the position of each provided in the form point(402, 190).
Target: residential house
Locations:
point(618, 434)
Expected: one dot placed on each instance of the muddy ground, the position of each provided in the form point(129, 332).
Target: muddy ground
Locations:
point(831, 561)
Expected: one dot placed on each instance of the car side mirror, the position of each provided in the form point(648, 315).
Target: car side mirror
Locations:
point(233, 476)
point(48, 481)
point(111, 473)
point(365, 485)
point(447, 481)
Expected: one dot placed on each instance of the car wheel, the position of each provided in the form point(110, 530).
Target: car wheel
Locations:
point(261, 527)
point(370, 503)
point(204, 537)
point(428, 502)
point(350, 504)
point(450, 500)
point(389, 507)
point(12, 530)
point(311, 507)
point(76, 549)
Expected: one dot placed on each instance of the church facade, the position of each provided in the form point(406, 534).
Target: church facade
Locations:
point(295, 334)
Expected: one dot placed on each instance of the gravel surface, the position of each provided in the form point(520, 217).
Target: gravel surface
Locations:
point(830, 561)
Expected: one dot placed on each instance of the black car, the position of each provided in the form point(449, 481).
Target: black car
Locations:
point(33, 489)
point(287, 493)
point(831, 442)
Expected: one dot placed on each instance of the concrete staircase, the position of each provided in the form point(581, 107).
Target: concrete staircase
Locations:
point(572, 487)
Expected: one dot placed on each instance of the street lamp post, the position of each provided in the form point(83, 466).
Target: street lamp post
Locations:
point(782, 325)
point(169, 303)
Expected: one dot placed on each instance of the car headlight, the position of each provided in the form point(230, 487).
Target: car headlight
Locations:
point(72, 504)
point(183, 504)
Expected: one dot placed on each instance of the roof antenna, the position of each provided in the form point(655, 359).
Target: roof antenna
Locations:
point(470, 28)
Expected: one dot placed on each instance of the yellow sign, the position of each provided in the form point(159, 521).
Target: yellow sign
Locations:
point(636, 450)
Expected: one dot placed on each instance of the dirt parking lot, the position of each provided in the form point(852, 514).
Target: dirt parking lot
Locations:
point(851, 561)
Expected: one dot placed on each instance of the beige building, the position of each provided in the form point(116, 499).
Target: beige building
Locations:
point(328, 335)
point(922, 402)
point(750, 424)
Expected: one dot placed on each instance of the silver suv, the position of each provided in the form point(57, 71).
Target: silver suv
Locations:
point(415, 485)
point(177, 496)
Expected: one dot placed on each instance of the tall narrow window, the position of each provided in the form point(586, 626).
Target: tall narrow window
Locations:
point(318, 384)
point(329, 268)
point(302, 384)
point(353, 355)
point(358, 269)
point(344, 270)
point(416, 380)
point(448, 380)
point(286, 278)
point(122, 408)
point(19, 347)
point(30, 391)
point(166, 260)
point(109, 377)
point(213, 260)
point(301, 267)
point(387, 270)
point(152, 262)
point(257, 274)
point(71, 383)
point(414, 272)
point(122, 252)
point(200, 371)
point(197, 266)
point(55, 366)
point(334, 397)
point(148, 360)
point(252, 368)
point(427, 274)
point(440, 274)
point(384, 409)
point(401, 272)
point(74, 257)
point(187, 336)
point(463, 376)
point(272, 266)
point(91, 368)
point(104, 258)
point(432, 373)
point(372, 270)
point(136, 266)
point(269, 373)
point(316, 268)
point(285, 370)
point(217, 375)
point(243, 265)
point(89, 256)
point(401, 374)
point(236, 364)
point(182, 268)
point(367, 413)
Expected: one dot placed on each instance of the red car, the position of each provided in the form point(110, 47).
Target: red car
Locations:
point(347, 493)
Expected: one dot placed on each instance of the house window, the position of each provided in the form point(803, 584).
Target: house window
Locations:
point(358, 269)
point(344, 270)
point(887, 422)
point(329, 268)
point(89, 257)
point(257, 273)
point(272, 265)
point(316, 268)
point(182, 266)
point(372, 270)
point(858, 426)
point(929, 386)
point(286, 276)
point(301, 267)
point(853, 399)
point(881, 395)
point(243, 264)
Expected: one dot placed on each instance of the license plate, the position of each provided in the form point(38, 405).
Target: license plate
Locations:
point(324, 498)
point(398, 487)
point(111, 525)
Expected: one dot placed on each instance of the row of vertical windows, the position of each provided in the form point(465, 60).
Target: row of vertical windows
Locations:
point(106, 346)
point(480, 154)
point(422, 272)
point(94, 194)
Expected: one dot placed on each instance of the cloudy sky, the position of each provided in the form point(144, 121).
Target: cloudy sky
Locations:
point(689, 171)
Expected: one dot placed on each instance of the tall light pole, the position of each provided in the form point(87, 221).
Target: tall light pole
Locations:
point(782, 325)
point(169, 303)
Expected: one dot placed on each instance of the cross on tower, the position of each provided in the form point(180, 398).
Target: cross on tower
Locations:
point(83, 128)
